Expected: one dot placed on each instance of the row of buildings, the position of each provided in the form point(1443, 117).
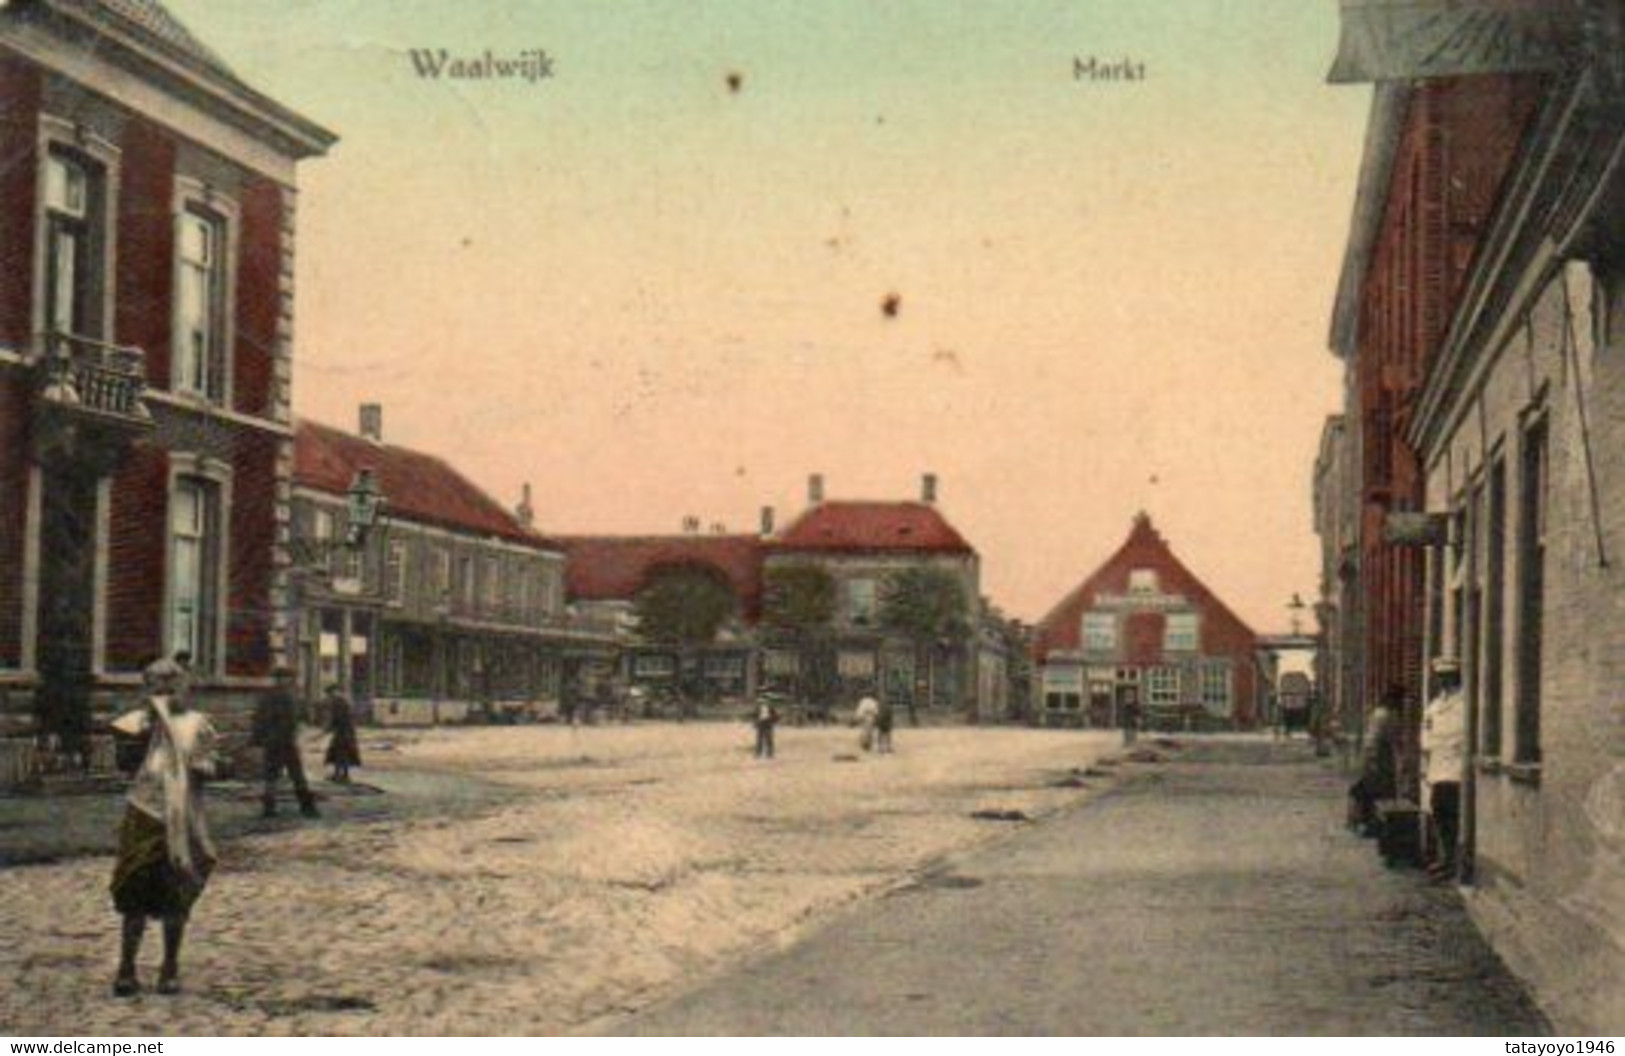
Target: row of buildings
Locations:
point(1470, 495)
point(158, 495)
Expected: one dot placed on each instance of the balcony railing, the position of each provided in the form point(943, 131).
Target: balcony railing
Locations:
point(95, 376)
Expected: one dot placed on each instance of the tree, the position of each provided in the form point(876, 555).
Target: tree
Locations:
point(684, 605)
point(798, 609)
point(798, 600)
point(927, 606)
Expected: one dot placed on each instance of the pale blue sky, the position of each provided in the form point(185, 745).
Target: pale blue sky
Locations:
point(653, 297)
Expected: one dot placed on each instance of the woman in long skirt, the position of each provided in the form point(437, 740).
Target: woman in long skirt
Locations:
point(344, 750)
point(165, 854)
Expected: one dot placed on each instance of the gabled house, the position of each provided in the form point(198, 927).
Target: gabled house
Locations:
point(1143, 630)
point(146, 332)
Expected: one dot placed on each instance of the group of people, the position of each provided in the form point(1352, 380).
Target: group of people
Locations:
point(165, 851)
point(873, 717)
point(1443, 756)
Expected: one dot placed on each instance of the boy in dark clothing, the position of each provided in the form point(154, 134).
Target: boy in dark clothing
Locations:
point(767, 717)
point(276, 733)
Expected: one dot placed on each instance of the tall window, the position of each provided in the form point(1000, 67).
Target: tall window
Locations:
point(193, 545)
point(1180, 634)
point(1100, 631)
point(1494, 611)
point(465, 581)
point(71, 251)
point(200, 303)
point(1216, 687)
point(860, 601)
point(1531, 587)
point(395, 572)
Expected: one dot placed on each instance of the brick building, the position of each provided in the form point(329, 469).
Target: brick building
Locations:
point(1481, 315)
point(448, 607)
point(1143, 628)
point(1337, 611)
point(1435, 156)
point(605, 575)
point(146, 327)
point(862, 546)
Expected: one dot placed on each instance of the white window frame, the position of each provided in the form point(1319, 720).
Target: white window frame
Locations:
point(1182, 642)
point(58, 135)
point(1162, 686)
point(184, 468)
point(1094, 640)
point(1217, 689)
point(395, 572)
point(195, 198)
point(654, 665)
point(862, 601)
point(856, 663)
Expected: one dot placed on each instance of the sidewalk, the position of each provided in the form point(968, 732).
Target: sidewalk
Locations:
point(1218, 893)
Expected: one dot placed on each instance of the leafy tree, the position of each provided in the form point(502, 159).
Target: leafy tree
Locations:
point(798, 610)
point(684, 605)
point(798, 600)
point(928, 606)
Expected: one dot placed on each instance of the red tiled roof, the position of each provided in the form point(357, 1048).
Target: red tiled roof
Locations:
point(617, 567)
point(1145, 547)
point(416, 486)
point(873, 526)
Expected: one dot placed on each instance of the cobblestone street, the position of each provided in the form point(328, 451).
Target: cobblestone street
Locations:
point(1215, 894)
point(618, 865)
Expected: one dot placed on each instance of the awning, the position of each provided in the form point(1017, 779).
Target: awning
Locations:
point(1406, 39)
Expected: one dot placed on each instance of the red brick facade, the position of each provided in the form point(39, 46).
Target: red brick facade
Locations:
point(1142, 620)
point(239, 150)
point(1456, 142)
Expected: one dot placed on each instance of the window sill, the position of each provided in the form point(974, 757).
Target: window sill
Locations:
point(1491, 765)
point(1524, 773)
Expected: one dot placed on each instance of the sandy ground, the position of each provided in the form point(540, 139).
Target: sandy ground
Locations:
point(639, 861)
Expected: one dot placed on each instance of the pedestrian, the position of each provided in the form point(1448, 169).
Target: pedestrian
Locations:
point(1130, 716)
point(884, 719)
point(165, 854)
point(276, 733)
point(867, 716)
point(1444, 746)
point(766, 719)
point(1377, 764)
point(344, 749)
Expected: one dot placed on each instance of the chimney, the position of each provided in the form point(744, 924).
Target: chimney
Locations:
point(767, 521)
point(525, 511)
point(928, 489)
point(815, 489)
point(718, 528)
point(372, 422)
point(691, 525)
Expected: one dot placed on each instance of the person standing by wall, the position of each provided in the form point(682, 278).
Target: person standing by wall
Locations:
point(276, 733)
point(1444, 746)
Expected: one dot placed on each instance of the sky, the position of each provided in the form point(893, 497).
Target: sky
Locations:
point(653, 296)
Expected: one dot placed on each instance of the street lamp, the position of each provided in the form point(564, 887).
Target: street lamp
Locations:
point(366, 503)
point(1296, 607)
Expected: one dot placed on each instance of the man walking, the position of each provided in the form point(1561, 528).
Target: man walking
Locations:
point(767, 717)
point(276, 733)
